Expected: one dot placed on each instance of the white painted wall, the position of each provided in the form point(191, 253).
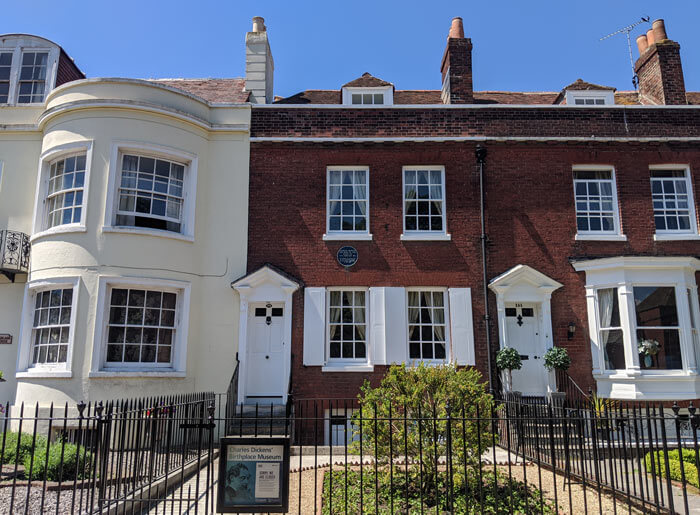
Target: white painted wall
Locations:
point(147, 114)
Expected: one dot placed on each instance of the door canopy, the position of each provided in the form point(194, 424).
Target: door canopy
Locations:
point(523, 283)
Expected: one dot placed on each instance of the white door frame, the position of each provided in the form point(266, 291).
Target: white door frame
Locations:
point(523, 284)
point(264, 285)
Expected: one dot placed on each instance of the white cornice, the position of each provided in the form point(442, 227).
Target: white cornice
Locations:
point(629, 262)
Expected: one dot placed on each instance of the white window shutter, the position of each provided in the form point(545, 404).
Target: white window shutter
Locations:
point(314, 326)
point(461, 328)
point(396, 325)
point(377, 324)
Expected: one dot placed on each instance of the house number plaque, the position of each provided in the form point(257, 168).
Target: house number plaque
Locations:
point(5, 339)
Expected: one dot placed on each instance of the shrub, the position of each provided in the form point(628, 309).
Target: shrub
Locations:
point(557, 358)
point(508, 359)
point(76, 463)
point(379, 492)
point(26, 440)
point(674, 465)
point(416, 400)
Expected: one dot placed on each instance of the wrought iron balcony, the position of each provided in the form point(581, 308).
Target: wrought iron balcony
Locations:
point(14, 253)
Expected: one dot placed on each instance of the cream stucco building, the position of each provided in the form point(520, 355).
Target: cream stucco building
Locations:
point(133, 195)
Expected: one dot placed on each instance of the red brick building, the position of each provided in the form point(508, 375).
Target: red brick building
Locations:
point(590, 232)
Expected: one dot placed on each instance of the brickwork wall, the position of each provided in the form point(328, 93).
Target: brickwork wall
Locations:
point(530, 220)
point(561, 121)
point(67, 70)
point(661, 75)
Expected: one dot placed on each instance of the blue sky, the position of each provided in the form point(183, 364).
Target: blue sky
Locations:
point(519, 45)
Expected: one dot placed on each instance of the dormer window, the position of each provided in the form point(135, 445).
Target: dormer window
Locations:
point(368, 91)
point(367, 98)
point(28, 68)
point(590, 98)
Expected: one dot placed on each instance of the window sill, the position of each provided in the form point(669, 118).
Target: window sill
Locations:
point(100, 374)
point(347, 237)
point(347, 368)
point(61, 229)
point(46, 373)
point(676, 237)
point(148, 232)
point(427, 236)
point(600, 237)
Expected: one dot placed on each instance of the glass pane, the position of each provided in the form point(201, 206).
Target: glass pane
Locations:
point(659, 349)
point(613, 348)
point(608, 308)
point(655, 306)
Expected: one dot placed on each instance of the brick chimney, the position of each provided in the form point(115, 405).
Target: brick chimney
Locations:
point(259, 66)
point(456, 67)
point(659, 68)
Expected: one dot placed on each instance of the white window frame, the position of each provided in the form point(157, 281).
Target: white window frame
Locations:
point(626, 273)
point(342, 362)
point(25, 368)
point(448, 336)
point(614, 235)
point(670, 235)
point(18, 45)
point(188, 159)
point(424, 235)
point(100, 368)
point(608, 97)
point(338, 235)
point(40, 225)
point(387, 91)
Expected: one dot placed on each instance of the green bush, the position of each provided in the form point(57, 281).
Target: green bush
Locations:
point(380, 492)
point(508, 359)
point(26, 441)
point(416, 400)
point(76, 463)
point(674, 465)
point(557, 358)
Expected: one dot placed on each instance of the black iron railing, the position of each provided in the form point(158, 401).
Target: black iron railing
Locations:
point(137, 455)
point(574, 393)
point(14, 253)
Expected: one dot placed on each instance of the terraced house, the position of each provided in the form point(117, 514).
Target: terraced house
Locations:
point(170, 235)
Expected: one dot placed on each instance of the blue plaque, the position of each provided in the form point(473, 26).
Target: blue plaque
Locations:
point(347, 256)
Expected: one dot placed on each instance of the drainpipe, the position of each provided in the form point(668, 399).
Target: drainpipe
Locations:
point(481, 160)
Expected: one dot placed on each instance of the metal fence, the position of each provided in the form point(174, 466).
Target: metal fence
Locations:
point(158, 455)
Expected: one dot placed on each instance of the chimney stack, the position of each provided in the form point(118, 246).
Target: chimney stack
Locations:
point(659, 68)
point(259, 66)
point(456, 67)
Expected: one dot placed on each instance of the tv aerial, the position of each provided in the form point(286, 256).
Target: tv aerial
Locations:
point(626, 31)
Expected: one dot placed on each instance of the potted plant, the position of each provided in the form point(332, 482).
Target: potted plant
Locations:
point(508, 359)
point(648, 348)
point(557, 358)
point(2, 379)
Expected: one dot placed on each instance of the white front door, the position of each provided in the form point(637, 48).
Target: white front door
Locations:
point(523, 334)
point(265, 363)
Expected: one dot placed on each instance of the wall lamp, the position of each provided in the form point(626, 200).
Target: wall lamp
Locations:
point(570, 330)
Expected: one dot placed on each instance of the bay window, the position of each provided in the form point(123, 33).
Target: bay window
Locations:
point(642, 315)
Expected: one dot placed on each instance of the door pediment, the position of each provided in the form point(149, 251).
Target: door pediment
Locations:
point(523, 283)
point(267, 283)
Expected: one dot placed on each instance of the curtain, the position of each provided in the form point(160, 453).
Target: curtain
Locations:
point(438, 330)
point(359, 193)
point(606, 302)
point(335, 320)
point(360, 321)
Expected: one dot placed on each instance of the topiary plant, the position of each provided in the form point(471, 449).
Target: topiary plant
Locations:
point(557, 358)
point(508, 359)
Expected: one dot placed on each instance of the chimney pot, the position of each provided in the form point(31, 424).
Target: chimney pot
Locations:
point(259, 24)
point(642, 43)
point(456, 29)
point(659, 28)
point(650, 37)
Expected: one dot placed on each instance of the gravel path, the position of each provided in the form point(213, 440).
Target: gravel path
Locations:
point(66, 504)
